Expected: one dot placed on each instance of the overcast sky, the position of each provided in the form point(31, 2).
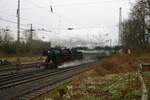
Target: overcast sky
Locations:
point(92, 20)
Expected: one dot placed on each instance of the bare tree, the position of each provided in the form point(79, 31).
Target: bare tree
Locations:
point(0, 35)
point(136, 30)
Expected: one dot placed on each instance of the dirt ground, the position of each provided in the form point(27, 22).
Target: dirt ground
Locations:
point(114, 78)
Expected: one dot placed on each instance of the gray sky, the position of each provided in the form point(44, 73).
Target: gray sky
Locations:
point(91, 19)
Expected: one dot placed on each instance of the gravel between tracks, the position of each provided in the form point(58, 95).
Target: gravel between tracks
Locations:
point(28, 85)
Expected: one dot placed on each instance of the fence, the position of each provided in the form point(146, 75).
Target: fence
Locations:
point(141, 69)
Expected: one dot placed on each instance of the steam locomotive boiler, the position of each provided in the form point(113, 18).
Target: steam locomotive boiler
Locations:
point(57, 56)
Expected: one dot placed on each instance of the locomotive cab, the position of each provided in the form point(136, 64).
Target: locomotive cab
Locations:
point(50, 61)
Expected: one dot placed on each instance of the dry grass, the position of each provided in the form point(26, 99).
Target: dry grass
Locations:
point(112, 79)
point(24, 60)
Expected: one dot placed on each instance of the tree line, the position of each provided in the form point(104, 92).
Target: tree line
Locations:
point(26, 47)
point(136, 29)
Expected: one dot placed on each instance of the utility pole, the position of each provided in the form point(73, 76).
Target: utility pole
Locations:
point(0, 35)
point(120, 27)
point(110, 42)
point(18, 22)
point(31, 33)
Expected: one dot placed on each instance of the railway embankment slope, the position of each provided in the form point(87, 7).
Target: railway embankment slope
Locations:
point(115, 78)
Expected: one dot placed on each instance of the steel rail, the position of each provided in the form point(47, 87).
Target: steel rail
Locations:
point(16, 75)
point(18, 67)
point(38, 82)
point(51, 83)
point(13, 77)
point(27, 79)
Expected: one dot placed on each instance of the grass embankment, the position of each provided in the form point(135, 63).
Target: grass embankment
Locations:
point(146, 77)
point(23, 60)
point(113, 79)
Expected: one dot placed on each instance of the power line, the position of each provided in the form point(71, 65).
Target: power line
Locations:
point(39, 6)
point(22, 18)
point(13, 22)
point(60, 16)
point(54, 13)
point(14, 16)
point(72, 4)
point(9, 21)
point(81, 4)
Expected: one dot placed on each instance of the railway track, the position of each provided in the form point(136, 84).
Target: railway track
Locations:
point(9, 69)
point(28, 85)
point(16, 75)
point(23, 78)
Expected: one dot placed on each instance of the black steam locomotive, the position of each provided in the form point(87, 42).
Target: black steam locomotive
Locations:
point(57, 56)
